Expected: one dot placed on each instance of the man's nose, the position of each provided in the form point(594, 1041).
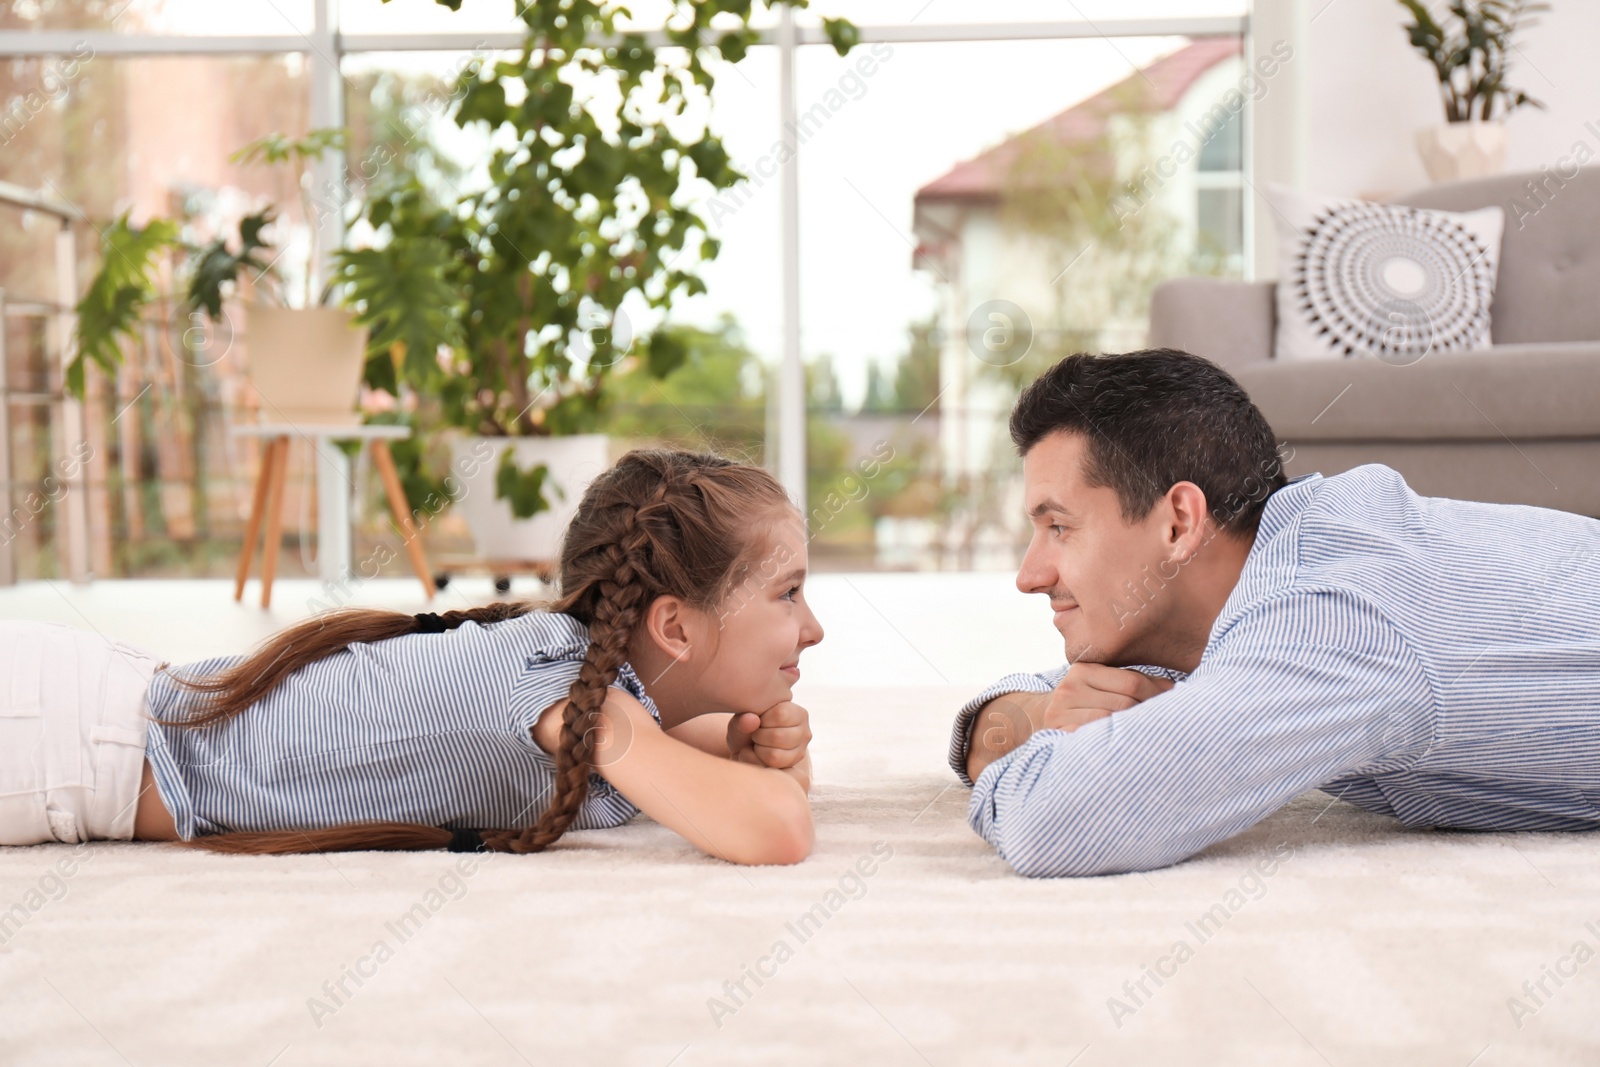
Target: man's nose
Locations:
point(1035, 575)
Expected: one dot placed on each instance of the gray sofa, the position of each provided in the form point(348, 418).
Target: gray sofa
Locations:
point(1518, 424)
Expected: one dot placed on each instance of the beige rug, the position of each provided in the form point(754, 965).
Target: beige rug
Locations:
point(903, 940)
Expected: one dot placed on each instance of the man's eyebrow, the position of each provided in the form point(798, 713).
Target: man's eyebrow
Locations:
point(1045, 507)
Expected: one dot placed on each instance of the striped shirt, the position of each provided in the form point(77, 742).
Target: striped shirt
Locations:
point(426, 728)
point(1430, 659)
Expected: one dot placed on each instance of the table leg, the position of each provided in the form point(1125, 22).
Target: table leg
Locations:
point(402, 513)
point(333, 512)
point(269, 555)
point(252, 529)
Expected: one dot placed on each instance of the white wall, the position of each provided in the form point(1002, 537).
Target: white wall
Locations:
point(1370, 91)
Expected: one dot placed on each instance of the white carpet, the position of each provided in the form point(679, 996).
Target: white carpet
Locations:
point(1368, 944)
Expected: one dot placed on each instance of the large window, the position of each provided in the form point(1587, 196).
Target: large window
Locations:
point(1220, 191)
point(931, 165)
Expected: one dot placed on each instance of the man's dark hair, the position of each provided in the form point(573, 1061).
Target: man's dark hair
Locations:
point(1151, 419)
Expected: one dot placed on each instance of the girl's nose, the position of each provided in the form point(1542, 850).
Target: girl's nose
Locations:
point(811, 633)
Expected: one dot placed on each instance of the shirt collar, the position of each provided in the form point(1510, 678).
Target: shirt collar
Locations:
point(1264, 570)
point(1287, 501)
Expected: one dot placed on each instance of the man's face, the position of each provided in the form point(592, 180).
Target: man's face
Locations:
point(1084, 557)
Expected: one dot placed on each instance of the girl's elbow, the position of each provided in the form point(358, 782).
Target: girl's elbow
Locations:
point(783, 838)
point(794, 844)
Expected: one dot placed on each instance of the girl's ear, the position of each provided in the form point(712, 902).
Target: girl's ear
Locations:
point(669, 627)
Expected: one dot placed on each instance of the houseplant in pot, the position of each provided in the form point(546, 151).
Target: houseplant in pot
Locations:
point(1469, 49)
point(305, 361)
point(507, 308)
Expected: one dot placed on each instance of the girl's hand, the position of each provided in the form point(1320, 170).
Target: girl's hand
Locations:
point(778, 738)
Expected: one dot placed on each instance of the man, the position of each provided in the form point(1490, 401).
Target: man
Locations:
point(1435, 660)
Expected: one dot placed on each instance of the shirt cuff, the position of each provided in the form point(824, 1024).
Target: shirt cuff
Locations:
point(960, 733)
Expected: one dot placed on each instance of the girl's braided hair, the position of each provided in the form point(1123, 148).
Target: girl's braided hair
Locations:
point(659, 523)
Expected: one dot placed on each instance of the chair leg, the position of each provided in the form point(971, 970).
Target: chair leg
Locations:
point(252, 529)
point(402, 513)
point(269, 555)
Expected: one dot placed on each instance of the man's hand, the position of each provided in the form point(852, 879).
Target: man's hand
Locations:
point(1089, 691)
point(778, 738)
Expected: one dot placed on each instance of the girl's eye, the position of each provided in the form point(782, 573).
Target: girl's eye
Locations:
point(793, 589)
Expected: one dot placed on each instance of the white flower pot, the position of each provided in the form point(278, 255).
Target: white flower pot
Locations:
point(305, 363)
point(1457, 151)
point(574, 462)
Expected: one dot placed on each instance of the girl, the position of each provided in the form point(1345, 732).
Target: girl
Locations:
point(659, 681)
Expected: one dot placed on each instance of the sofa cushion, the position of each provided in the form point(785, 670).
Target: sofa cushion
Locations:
point(1508, 391)
point(1550, 255)
point(1392, 281)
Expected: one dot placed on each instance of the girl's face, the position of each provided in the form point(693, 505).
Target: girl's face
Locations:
point(759, 630)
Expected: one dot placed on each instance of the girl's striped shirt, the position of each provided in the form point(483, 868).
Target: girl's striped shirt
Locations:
point(426, 728)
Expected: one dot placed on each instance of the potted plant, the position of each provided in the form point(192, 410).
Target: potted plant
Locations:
point(305, 361)
point(507, 309)
point(1470, 59)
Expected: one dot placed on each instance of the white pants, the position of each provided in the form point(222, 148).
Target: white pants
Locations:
point(72, 733)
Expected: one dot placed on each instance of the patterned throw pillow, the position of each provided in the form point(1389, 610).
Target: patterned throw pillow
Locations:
point(1362, 279)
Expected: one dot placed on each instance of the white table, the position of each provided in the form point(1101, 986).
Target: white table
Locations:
point(333, 498)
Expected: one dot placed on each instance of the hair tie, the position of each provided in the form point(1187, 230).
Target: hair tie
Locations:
point(429, 623)
point(465, 841)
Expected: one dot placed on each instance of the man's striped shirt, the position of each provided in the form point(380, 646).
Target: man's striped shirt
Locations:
point(1431, 659)
point(427, 728)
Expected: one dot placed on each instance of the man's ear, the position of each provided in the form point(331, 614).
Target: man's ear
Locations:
point(1190, 515)
point(668, 626)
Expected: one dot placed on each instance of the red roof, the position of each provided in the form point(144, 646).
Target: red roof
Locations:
point(1160, 85)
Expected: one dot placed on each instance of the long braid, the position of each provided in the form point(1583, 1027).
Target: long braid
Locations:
point(619, 598)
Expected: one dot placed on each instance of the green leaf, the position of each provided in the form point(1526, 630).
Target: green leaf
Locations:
point(113, 305)
point(733, 46)
point(215, 267)
point(484, 101)
point(529, 492)
point(664, 353)
point(250, 228)
point(277, 148)
point(711, 162)
point(400, 294)
point(74, 377)
point(842, 34)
